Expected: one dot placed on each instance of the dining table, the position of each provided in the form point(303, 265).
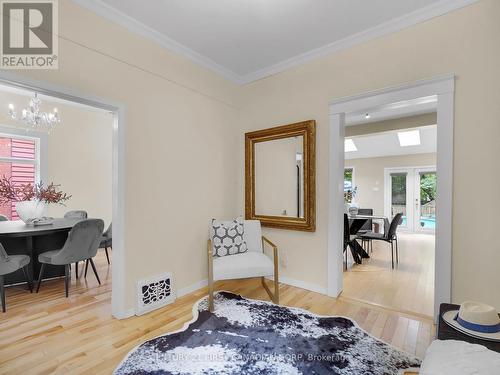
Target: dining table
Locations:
point(32, 240)
point(356, 222)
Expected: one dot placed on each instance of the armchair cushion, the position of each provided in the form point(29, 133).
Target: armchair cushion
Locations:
point(241, 266)
point(227, 237)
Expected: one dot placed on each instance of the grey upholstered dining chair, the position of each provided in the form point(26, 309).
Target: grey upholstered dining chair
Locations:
point(9, 264)
point(4, 218)
point(82, 244)
point(76, 214)
point(107, 240)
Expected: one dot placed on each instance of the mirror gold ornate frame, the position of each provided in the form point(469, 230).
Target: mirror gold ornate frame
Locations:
point(306, 129)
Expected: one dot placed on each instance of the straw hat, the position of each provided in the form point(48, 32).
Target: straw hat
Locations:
point(475, 319)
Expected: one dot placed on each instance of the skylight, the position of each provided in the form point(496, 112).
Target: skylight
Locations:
point(409, 138)
point(349, 145)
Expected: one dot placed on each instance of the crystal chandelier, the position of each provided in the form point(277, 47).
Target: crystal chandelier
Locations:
point(34, 117)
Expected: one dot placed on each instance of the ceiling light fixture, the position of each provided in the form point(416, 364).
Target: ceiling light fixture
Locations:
point(409, 138)
point(34, 117)
point(349, 145)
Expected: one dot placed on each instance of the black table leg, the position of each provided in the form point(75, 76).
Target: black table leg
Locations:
point(358, 253)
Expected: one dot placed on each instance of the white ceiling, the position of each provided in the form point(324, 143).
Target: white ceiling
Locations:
point(412, 107)
point(247, 40)
point(387, 144)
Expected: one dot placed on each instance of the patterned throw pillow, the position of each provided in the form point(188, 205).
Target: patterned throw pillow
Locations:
point(227, 237)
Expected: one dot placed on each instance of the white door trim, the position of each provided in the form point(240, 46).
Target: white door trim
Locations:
point(443, 87)
point(118, 174)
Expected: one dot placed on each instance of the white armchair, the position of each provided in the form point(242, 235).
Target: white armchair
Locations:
point(252, 263)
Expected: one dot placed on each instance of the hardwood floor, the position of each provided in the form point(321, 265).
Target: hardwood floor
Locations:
point(408, 288)
point(48, 333)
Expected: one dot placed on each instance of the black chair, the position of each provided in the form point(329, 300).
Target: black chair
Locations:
point(366, 228)
point(389, 236)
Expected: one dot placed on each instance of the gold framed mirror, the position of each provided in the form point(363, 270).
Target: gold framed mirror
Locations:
point(280, 176)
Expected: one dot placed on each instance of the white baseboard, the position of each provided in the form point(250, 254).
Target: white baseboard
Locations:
point(301, 284)
point(285, 280)
point(191, 288)
point(203, 283)
point(124, 314)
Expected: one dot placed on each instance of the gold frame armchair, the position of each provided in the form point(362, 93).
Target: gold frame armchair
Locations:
point(253, 263)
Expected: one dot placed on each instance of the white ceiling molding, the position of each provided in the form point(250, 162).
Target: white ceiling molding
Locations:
point(110, 13)
point(426, 13)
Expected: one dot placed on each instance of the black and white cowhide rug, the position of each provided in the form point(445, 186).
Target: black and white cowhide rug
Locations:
point(245, 336)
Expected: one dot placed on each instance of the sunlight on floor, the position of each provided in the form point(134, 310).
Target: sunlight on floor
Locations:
point(407, 288)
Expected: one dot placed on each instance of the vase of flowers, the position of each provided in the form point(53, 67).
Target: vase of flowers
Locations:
point(31, 199)
point(350, 206)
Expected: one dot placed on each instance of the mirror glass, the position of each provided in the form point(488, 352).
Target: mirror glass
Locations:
point(279, 177)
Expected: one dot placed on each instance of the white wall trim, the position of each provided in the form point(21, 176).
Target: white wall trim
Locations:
point(443, 87)
point(191, 288)
point(118, 174)
point(421, 15)
point(104, 10)
point(303, 285)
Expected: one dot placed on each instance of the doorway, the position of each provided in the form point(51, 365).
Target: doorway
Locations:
point(119, 309)
point(443, 88)
point(411, 192)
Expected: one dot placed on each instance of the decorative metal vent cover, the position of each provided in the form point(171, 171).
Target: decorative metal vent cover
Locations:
point(154, 293)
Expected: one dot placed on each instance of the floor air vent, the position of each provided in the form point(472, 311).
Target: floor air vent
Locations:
point(154, 293)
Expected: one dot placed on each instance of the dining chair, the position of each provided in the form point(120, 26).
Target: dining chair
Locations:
point(389, 236)
point(366, 228)
point(253, 262)
point(76, 214)
point(10, 264)
point(82, 244)
point(106, 241)
point(4, 218)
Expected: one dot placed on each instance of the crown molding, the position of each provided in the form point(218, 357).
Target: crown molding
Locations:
point(104, 10)
point(431, 11)
point(421, 15)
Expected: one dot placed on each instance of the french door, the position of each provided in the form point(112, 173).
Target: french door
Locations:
point(412, 192)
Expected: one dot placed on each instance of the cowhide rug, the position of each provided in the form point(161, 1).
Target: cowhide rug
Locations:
point(245, 336)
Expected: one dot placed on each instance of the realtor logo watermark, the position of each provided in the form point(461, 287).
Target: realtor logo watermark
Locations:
point(29, 34)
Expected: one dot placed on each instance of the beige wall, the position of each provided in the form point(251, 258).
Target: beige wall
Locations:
point(464, 42)
point(79, 158)
point(78, 154)
point(180, 137)
point(369, 176)
point(184, 124)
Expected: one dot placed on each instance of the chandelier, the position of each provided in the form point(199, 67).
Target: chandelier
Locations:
point(34, 117)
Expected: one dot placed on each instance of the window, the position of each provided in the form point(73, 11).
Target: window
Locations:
point(348, 179)
point(19, 161)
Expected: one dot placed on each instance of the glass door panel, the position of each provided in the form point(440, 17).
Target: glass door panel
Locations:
point(425, 219)
point(399, 196)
